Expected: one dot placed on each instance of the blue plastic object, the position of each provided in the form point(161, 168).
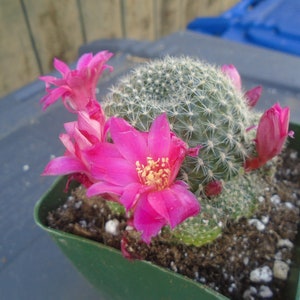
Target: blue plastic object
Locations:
point(273, 24)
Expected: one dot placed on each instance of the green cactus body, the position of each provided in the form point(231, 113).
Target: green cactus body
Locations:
point(203, 108)
point(238, 199)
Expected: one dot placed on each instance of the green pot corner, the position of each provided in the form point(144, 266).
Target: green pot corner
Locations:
point(118, 278)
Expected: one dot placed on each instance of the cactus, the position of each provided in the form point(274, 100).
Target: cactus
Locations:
point(204, 108)
point(238, 199)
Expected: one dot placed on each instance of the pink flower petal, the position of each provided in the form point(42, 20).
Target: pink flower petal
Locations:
point(178, 152)
point(52, 97)
point(116, 171)
point(159, 137)
point(66, 140)
point(284, 115)
point(84, 60)
point(100, 151)
point(64, 165)
point(100, 188)
point(130, 195)
point(86, 124)
point(147, 220)
point(253, 95)
point(70, 127)
point(61, 66)
point(120, 172)
point(233, 74)
point(194, 152)
point(48, 79)
point(100, 59)
point(130, 142)
point(82, 140)
point(174, 204)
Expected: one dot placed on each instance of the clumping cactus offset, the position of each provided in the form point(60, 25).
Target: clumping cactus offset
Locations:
point(175, 152)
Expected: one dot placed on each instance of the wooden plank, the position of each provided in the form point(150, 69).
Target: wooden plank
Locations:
point(139, 19)
point(17, 60)
point(101, 19)
point(168, 17)
point(193, 9)
point(55, 25)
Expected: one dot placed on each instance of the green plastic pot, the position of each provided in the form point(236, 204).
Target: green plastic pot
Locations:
point(118, 278)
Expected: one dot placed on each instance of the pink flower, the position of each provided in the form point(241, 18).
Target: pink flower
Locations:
point(252, 96)
point(81, 136)
point(77, 88)
point(271, 135)
point(233, 74)
point(141, 168)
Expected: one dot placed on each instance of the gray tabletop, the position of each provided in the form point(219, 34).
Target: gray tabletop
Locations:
point(31, 266)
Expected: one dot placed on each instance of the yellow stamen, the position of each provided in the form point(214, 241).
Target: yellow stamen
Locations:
point(154, 173)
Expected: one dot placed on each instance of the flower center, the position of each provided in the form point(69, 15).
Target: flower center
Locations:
point(154, 173)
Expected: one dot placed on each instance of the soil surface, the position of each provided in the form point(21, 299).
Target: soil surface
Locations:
point(251, 259)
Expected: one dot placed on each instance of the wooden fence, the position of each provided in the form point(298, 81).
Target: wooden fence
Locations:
point(33, 32)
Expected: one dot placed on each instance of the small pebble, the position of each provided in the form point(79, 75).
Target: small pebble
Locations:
point(112, 227)
point(265, 292)
point(275, 199)
point(232, 288)
point(263, 274)
point(258, 224)
point(285, 243)
point(281, 269)
point(83, 223)
point(265, 219)
point(293, 155)
point(129, 228)
point(78, 204)
point(278, 255)
point(26, 168)
point(249, 293)
point(289, 205)
point(246, 261)
point(202, 279)
point(173, 266)
point(70, 198)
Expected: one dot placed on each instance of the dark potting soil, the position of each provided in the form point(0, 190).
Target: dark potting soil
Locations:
point(250, 260)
